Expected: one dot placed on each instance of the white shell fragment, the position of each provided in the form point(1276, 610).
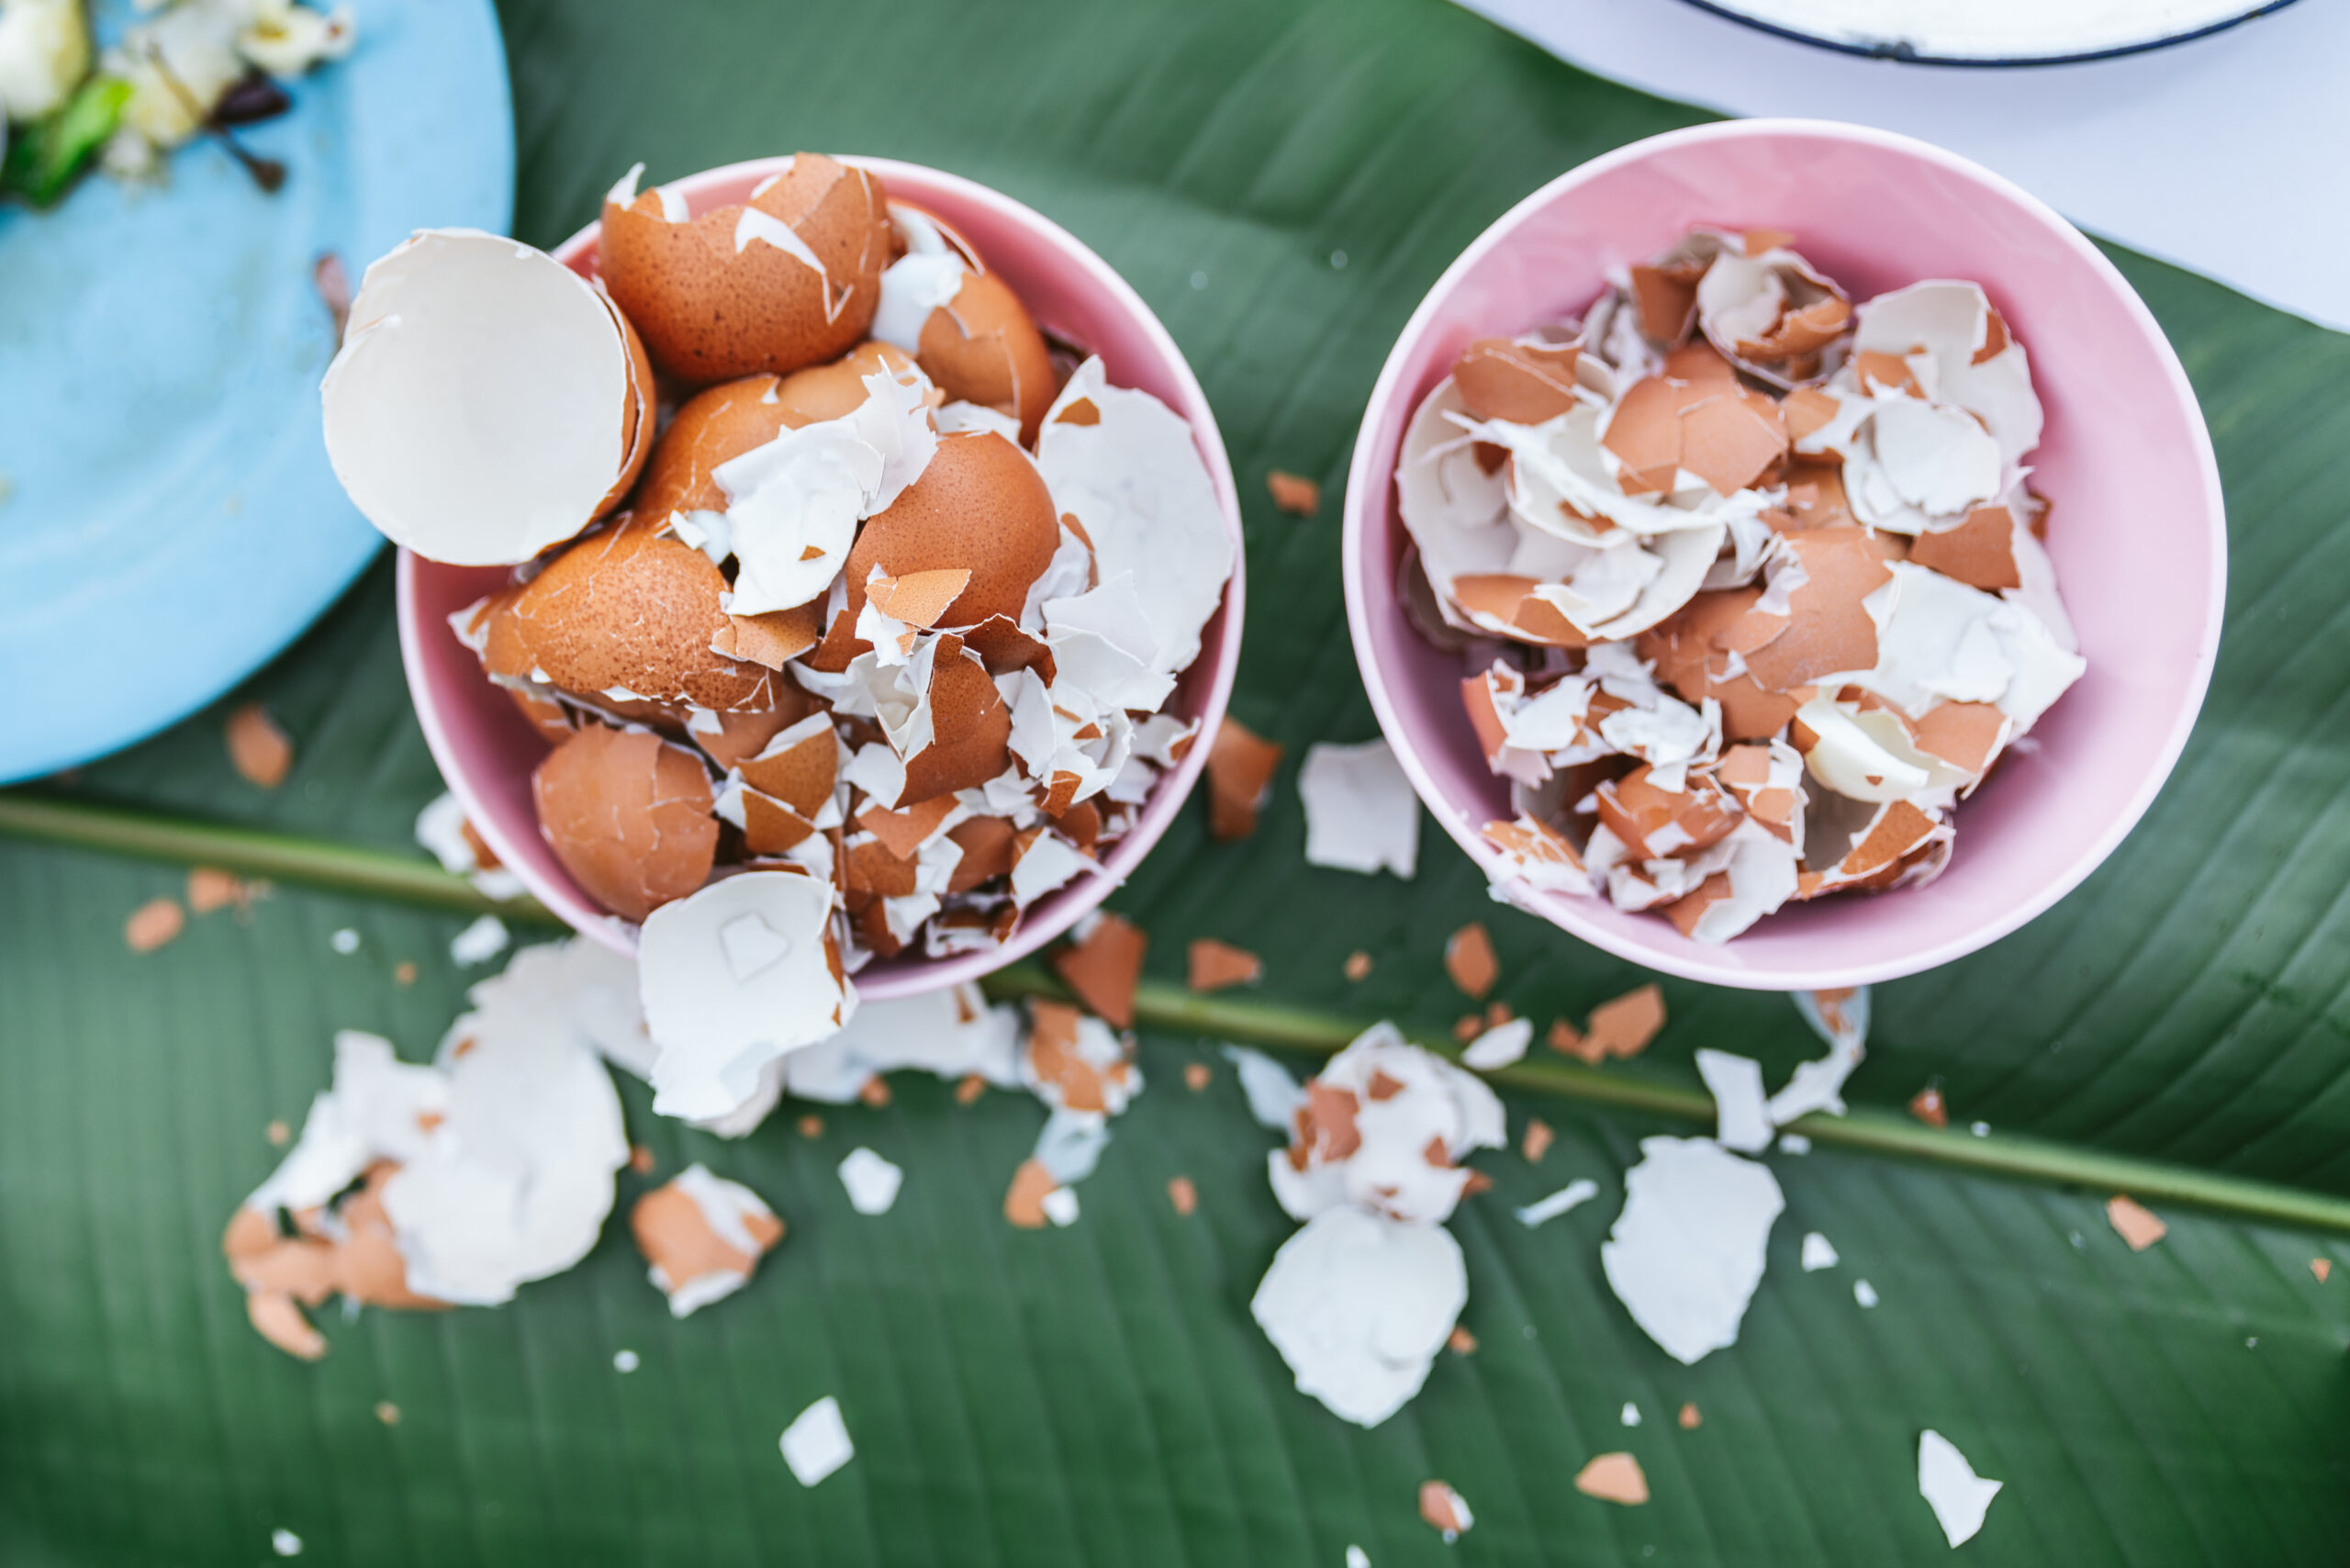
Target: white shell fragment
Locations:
point(440, 828)
point(817, 1442)
point(951, 1034)
point(871, 1180)
point(479, 941)
point(554, 418)
point(1358, 1305)
point(1572, 1196)
point(738, 975)
point(1818, 1252)
point(1273, 1094)
point(1746, 581)
point(1133, 478)
point(728, 1212)
point(1959, 1498)
point(1741, 1119)
point(1499, 1046)
point(1688, 1251)
point(1361, 813)
point(1384, 1125)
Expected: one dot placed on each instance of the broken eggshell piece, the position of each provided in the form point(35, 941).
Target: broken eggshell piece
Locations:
point(1358, 1304)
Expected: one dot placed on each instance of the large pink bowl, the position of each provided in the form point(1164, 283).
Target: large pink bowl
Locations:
point(2137, 530)
point(486, 751)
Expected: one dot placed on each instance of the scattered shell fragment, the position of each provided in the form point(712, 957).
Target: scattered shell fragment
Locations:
point(479, 941)
point(1196, 1076)
point(2134, 1223)
point(1688, 1251)
point(153, 924)
point(1215, 966)
point(1499, 1046)
point(1690, 1418)
point(1573, 1195)
point(1385, 1124)
point(210, 889)
point(1959, 1498)
point(1469, 959)
point(1613, 1478)
point(1358, 1305)
point(2321, 1268)
point(702, 1236)
point(1361, 813)
point(1536, 1140)
point(259, 750)
point(1357, 965)
point(1292, 493)
point(1183, 1193)
point(1818, 1252)
point(1104, 965)
point(1446, 1509)
point(1240, 777)
point(817, 1442)
point(1620, 1027)
point(1461, 1342)
point(1742, 1113)
point(1927, 1105)
point(872, 1182)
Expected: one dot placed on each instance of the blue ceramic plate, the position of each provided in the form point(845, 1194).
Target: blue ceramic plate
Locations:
point(168, 520)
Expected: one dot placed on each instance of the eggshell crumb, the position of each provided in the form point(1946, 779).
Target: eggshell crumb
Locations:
point(259, 750)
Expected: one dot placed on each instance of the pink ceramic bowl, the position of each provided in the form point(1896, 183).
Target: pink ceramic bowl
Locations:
point(486, 751)
point(2137, 530)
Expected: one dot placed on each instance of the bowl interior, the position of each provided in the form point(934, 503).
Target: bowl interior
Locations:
point(2136, 529)
point(486, 751)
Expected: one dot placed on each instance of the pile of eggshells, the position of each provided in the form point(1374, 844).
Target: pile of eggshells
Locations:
point(845, 604)
point(1748, 579)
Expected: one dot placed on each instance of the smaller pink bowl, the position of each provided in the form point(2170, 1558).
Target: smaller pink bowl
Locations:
point(2137, 529)
point(486, 751)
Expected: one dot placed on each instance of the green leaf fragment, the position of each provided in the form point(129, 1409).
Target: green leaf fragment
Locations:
point(44, 158)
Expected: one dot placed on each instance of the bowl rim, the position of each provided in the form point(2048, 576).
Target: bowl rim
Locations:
point(1369, 505)
point(913, 975)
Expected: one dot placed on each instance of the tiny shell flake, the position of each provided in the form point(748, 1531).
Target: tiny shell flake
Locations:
point(2134, 1223)
point(1469, 959)
point(1104, 965)
point(153, 924)
point(1240, 774)
point(1216, 965)
point(1297, 495)
point(1613, 1478)
point(1443, 1508)
point(258, 748)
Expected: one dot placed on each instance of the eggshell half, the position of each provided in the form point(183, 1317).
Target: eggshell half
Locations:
point(984, 347)
point(981, 506)
point(488, 403)
point(628, 814)
point(633, 612)
point(789, 279)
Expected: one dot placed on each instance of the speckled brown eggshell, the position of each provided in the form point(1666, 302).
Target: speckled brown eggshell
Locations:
point(984, 347)
point(710, 312)
point(980, 506)
point(628, 814)
point(729, 419)
point(635, 610)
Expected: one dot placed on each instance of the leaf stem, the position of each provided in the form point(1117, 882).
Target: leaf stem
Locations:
point(1861, 1129)
point(252, 852)
point(45, 818)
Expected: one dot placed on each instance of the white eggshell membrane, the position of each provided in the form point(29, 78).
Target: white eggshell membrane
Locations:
point(478, 411)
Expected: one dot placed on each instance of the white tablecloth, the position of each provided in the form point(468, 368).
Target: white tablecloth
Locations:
point(2230, 155)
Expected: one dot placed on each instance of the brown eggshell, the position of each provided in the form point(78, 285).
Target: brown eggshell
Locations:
point(801, 776)
point(980, 505)
point(971, 724)
point(550, 718)
point(984, 347)
point(986, 843)
point(708, 312)
point(636, 610)
point(1521, 384)
point(628, 814)
point(729, 419)
point(746, 735)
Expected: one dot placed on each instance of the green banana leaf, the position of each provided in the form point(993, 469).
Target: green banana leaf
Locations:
point(1282, 180)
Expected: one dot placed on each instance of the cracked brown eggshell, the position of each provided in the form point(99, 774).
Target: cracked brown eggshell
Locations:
point(980, 505)
point(634, 611)
point(984, 347)
point(727, 420)
point(629, 816)
point(789, 278)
